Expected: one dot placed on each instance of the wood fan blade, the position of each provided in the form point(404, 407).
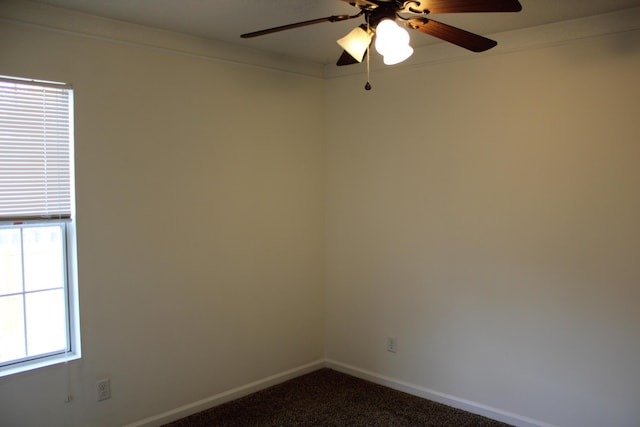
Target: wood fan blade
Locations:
point(462, 38)
point(465, 6)
point(346, 59)
point(333, 18)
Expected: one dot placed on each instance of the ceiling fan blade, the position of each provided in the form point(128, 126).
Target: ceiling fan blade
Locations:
point(346, 59)
point(462, 38)
point(465, 6)
point(333, 18)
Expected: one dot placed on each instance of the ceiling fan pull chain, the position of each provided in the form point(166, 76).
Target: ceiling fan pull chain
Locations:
point(368, 85)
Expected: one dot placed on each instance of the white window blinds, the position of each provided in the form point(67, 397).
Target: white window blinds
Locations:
point(35, 148)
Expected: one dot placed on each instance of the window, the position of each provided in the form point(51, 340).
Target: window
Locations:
point(38, 292)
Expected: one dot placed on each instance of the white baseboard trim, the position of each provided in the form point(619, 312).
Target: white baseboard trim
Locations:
point(453, 401)
point(220, 398)
point(416, 390)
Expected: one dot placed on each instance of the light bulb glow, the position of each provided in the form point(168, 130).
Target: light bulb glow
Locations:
point(385, 36)
point(392, 42)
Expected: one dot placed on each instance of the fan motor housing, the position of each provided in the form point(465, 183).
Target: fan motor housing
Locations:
point(397, 5)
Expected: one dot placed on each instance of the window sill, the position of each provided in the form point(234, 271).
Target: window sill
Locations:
point(43, 362)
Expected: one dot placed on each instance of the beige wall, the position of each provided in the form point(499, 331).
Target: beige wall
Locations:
point(200, 227)
point(485, 212)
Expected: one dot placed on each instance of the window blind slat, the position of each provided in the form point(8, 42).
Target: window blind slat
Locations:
point(35, 180)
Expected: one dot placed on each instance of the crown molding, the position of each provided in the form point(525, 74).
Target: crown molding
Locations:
point(78, 24)
point(51, 18)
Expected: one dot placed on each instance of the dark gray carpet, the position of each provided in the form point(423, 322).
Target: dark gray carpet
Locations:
point(329, 398)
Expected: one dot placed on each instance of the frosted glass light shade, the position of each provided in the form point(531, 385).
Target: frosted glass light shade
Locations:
point(389, 36)
point(397, 56)
point(356, 43)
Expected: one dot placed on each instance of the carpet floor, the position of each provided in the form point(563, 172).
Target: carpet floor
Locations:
point(330, 398)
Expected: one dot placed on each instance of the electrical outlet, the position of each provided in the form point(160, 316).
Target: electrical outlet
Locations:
point(103, 388)
point(392, 344)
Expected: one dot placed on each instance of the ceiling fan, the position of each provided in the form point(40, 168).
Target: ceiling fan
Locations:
point(391, 40)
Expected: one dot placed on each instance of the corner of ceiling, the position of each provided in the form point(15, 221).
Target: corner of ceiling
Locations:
point(80, 24)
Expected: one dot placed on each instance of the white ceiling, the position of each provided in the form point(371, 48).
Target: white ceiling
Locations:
point(225, 20)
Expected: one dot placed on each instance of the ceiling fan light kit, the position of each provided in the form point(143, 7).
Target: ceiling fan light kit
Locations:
point(391, 40)
point(356, 42)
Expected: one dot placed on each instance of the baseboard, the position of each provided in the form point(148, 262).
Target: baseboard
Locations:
point(220, 398)
point(455, 402)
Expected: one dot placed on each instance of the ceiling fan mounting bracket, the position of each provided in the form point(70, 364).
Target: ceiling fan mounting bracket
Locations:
point(412, 6)
point(378, 14)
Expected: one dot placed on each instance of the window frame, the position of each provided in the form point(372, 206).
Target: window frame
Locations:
point(69, 247)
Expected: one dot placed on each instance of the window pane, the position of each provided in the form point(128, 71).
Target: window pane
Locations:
point(46, 330)
point(10, 261)
point(11, 328)
point(43, 258)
